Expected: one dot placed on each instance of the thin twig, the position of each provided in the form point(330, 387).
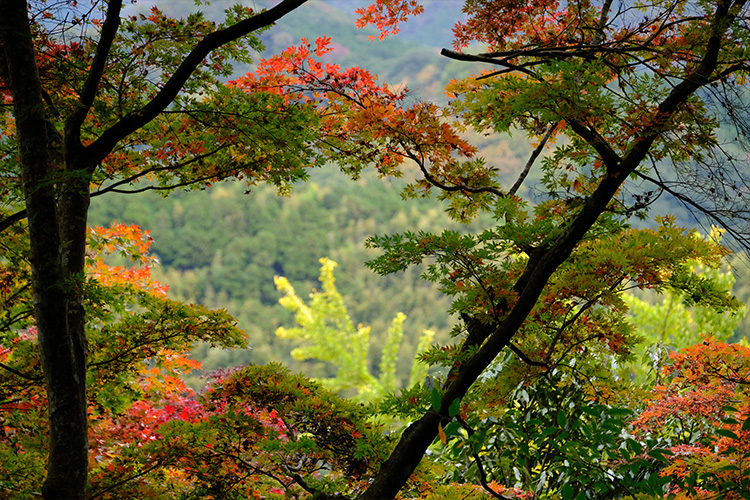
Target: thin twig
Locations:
point(744, 241)
point(478, 460)
point(534, 155)
point(455, 187)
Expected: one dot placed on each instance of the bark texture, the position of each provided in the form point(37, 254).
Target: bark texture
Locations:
point(56, 211)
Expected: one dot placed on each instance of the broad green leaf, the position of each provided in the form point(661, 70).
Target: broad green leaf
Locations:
point(549, 431)
point(660, 454)
point(454, 408)
point(567, 491)
point(435, 399)
point(726, 433)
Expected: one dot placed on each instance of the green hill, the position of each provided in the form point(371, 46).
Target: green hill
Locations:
point(222, 248)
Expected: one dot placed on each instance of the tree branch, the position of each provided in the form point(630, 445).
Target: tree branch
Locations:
point(121, 481)
point(460, 56)
point(102, 146)
point(22, 375)
point(478, 460)
point(537, 151)
point(88, 94)
point(608, 155)
point(316, 494)
point(12, 219)
point(525, 358)
point(743, 240)
point(454, 187)
point(175, 166)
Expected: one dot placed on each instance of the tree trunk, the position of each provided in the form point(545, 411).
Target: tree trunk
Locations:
point(56, 207)
point(55, 172)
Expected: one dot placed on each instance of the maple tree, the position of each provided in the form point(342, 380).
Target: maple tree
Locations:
point(152, 437)
point(130, 319)
point(142, 96)
point(634, 98)
point(702, 410)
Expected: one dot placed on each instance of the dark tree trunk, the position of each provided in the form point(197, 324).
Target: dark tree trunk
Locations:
point(56, 207)
point(55, 172)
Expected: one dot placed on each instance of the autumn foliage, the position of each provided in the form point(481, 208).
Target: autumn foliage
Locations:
point(703, 409)
point(530, 398)
point(261, 424)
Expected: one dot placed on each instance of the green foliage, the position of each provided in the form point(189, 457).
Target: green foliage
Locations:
point(265, 427)
point(544, 282)
point(256, 432)
point(699, 302)
point(550, 435)
point(132, 328)
point(222, 249)
point(330, 336)
point(568, 416)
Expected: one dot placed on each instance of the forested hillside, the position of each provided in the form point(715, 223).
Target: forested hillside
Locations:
point(222, 247)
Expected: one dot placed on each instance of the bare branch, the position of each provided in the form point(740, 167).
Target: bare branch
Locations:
point(454, 187)
point(743, 240)
point(460, 56)
point(525, 358)
point(537, 151)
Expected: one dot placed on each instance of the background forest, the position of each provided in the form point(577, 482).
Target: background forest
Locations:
point(222, 248)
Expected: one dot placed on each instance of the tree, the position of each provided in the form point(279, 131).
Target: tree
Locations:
point(57, 167)
point(261, 431)
point(151, 436)
point(330, 335)
point(129, 320)
point(673, 321)
point(702, 412)
point(631, 92)
point(96, 100)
